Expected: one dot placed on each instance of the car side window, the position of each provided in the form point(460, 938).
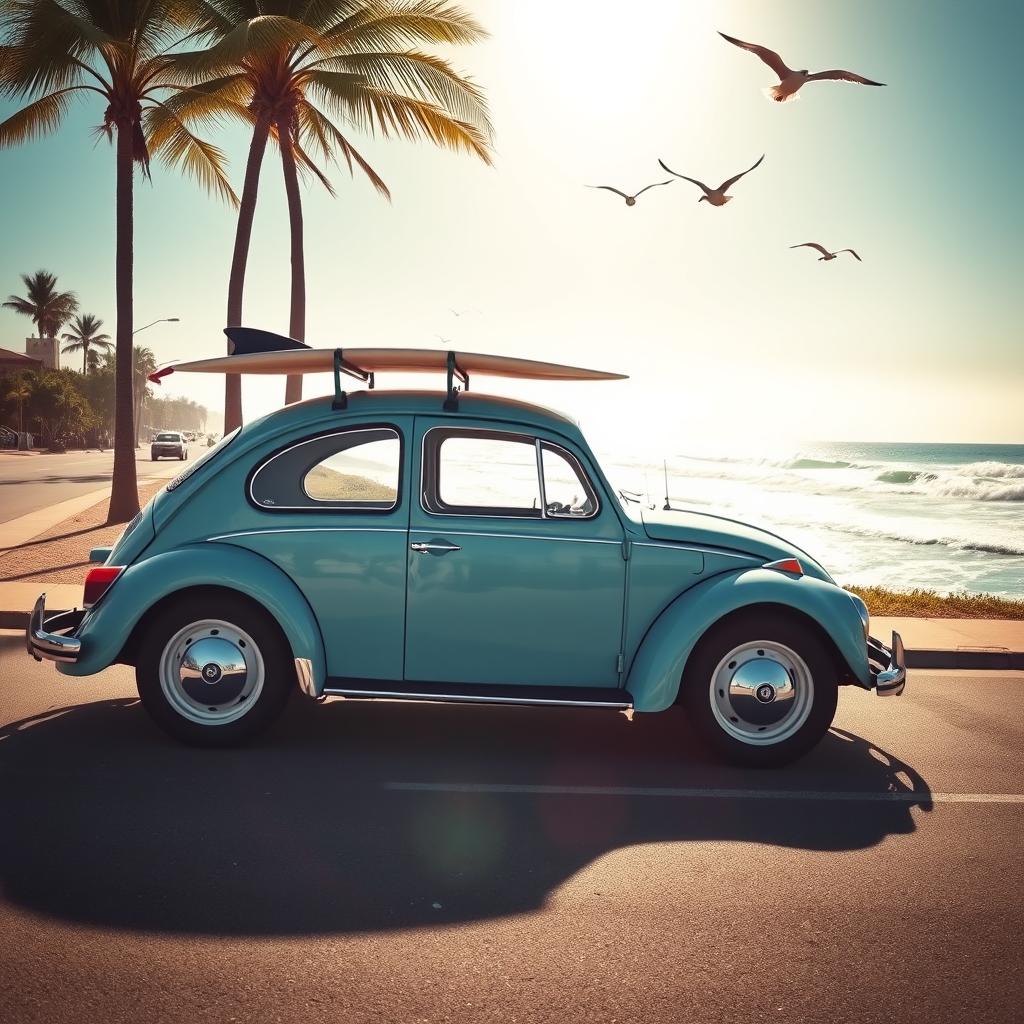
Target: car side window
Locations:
point(487, 474)
point(567, 491)
point(355, 470)
point(476, 472)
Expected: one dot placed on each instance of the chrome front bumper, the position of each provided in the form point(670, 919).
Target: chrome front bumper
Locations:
point(888, 666)
point(53, 638)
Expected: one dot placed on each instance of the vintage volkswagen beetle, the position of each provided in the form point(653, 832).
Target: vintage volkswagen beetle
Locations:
point(454, 547)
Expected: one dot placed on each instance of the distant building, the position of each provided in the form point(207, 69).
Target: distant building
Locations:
point(46, 350)
point(18, 361)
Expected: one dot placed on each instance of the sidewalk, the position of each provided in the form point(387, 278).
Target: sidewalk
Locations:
point(956, 643)
point(48, 550)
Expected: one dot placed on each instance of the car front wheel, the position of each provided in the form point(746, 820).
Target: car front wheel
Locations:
point(214, 670)
point(761, 688)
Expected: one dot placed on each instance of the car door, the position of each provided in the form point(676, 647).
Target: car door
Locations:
point(505, 588)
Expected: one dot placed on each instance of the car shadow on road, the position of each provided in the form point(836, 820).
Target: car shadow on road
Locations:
point(316, 829)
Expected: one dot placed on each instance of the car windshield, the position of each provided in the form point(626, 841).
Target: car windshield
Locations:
point(168, 437)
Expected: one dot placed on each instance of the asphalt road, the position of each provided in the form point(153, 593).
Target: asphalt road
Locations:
point(392, 863)
point(30, 482)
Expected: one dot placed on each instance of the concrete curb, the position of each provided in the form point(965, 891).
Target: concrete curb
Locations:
point(967, 659)
point(922, 658)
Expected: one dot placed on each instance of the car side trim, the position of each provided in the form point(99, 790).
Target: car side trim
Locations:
point(307, 529)
point(622, 702)
point(517, 536)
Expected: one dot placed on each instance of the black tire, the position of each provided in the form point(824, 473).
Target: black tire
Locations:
point(750, 629)
point(264, 640)
point(152, 457)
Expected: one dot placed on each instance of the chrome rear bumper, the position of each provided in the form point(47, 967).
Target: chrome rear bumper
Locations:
point(888, 666)
point(53, 638)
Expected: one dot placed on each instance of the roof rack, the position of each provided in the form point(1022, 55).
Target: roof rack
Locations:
point(368, 377)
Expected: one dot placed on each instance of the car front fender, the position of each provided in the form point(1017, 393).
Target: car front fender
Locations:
point(657, 669)
point(107, 628)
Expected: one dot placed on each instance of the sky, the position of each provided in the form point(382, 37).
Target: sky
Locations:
point(727, 334)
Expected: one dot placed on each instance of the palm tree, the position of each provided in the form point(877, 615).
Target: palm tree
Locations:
point(290, 69)
point(20, 393)
point(143, 364)
point(56, 51)
point(49, 308)
point(84, 337)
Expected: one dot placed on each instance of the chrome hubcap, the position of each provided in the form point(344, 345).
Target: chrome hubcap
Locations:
point(211, 672)
point(761, 692)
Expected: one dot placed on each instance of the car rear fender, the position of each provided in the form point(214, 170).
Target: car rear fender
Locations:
point(657, 669)
point(108, 629)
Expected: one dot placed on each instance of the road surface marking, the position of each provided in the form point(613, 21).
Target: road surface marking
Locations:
point(901, 797)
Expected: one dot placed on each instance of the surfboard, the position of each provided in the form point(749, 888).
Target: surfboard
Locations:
point(388, 360)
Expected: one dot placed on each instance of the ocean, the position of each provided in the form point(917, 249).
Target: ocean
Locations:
point(945, 517)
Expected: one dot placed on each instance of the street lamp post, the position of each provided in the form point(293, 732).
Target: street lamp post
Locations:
point(138, 398)
point(163, 320)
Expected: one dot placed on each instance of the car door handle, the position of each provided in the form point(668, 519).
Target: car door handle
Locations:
point(441, 549)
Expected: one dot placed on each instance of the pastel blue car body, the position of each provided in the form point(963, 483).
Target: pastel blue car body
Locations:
point(611, 600)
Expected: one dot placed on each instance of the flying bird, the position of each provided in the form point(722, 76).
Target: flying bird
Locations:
point(715, 196)
point(631, 200)
point(463, 312)
point(825, 254)
point(790, 81)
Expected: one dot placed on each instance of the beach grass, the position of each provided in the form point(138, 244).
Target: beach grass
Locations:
point(933, 605)
point(325, 484)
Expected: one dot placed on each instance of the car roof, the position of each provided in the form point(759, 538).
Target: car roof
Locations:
point(422, 403)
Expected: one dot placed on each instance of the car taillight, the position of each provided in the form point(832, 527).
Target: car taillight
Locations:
point(98, 582)
point(786, 565)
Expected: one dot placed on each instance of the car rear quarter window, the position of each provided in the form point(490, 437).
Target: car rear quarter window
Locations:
point(349, 470)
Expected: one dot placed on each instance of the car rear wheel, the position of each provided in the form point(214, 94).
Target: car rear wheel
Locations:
point(214, 670)
point(761, 688)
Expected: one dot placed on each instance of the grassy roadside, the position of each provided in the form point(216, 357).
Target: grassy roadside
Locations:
point(932, 605)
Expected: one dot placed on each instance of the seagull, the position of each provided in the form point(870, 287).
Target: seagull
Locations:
point(631, 200)
point(825, 254)
point(715, 196)
point(790, 81)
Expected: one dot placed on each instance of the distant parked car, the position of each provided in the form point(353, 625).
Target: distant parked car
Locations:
point(169, 444)
point(454, 547)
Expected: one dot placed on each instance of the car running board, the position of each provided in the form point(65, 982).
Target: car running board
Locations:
point(467, 693)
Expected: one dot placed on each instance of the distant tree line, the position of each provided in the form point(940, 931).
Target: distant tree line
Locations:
point(68, 409)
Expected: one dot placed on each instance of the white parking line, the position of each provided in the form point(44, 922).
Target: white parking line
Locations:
point(701, 793)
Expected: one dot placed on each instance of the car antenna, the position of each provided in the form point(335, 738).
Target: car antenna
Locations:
point(667, 507)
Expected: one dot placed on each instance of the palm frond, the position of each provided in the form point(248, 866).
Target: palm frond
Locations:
point(390, 113)
point(249, 40)
point(38, 118)
point(207, 103)
point(176, 146)
point(403, 24)
point(19, 305)
point(47, 40)
point(422, 75)
point(330, 141)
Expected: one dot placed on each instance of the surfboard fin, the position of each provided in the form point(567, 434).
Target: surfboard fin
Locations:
point(246, 340)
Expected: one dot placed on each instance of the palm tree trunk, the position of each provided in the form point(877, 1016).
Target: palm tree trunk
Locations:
point(239, 258)
point(297, 319)
point(124, 492)
point(85, 358)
